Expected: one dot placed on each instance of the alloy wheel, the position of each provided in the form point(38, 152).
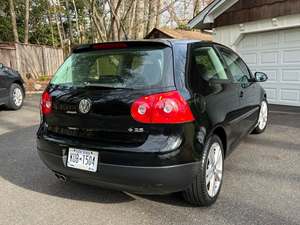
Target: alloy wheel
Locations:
point(17, 96)
point(263, 116)
point(214, 170)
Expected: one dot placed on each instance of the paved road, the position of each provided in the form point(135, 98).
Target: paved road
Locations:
point(261, 186)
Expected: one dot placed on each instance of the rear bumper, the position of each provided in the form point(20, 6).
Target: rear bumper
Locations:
point(136, 179)
point(144, 170)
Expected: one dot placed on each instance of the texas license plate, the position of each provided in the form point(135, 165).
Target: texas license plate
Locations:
point(83, 159)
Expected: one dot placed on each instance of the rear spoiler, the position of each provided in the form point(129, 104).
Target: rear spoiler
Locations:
point(121, 45)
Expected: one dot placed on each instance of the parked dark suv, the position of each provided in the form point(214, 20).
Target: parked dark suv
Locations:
point(12, 91)
point(150, 117)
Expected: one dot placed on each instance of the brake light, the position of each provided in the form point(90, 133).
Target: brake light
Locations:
point(163, 108)
point(46, 103)
point(109, 46)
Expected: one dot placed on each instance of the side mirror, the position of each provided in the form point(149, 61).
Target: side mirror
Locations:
point(261, 77)
point(1, 66)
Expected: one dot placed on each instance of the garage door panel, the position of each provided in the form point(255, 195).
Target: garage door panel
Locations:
point(271, 93)
point(269, 57)
point(272, 75)
point(291, 37)
point(249, 42)
point(289, 95)
point(277, 53)
point(270, 40)
point(250, 58)
point(290, 75)
point(291, 56)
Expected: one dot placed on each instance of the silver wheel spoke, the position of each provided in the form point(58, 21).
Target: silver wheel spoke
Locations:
point(219, 175)
point(211, 185)
point(211, 157)
point(219, 157)
point(209, 175)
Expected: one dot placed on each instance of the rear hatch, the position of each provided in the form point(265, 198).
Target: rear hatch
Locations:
point(93, 91)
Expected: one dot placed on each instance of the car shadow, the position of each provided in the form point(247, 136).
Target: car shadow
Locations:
point(21, 166)
point(174, 199)
point(2, 108)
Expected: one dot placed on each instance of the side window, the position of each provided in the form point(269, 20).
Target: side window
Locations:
point(237, 67)
point(207, 64)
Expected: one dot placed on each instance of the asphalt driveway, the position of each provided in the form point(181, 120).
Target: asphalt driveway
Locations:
point(261, 186)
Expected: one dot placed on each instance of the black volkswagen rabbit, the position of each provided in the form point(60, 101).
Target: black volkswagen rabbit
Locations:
point(150, 117)
point(12, 91)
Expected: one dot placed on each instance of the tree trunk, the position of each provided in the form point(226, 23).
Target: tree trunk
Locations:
point(51, 26)
point(69, 21)
point(151, 15)
point(77, 22)
point(173, 15)
point(59, 32)
point(139, 19)
point(98, 21)
point(131, 20)
point(126, 18)
point(115, 23)
point(157, 13)
point(58, 27)
point(27, 8)
point(61, 20)
point(13, 20)
point(196, 7)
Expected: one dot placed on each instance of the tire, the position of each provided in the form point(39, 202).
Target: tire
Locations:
point(262, 123)
point(200, 193)
point(16, 97)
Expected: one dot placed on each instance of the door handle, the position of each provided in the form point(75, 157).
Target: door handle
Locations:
point(241, 94)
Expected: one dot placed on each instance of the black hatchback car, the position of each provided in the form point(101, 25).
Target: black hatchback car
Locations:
point(150, 117)
point(12, 91)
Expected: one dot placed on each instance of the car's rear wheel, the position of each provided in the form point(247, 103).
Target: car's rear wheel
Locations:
point(263, 118)
point(207, 184)
point(16, 97)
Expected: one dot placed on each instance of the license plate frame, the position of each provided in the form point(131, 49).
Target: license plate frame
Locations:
point(83, 159)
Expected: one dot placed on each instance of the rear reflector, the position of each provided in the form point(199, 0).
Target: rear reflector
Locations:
point(163, 108)
point(46, 103)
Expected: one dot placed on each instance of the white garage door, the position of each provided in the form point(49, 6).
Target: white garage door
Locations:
point(277, 53)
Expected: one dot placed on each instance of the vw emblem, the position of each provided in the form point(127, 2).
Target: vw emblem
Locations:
point(85, 105)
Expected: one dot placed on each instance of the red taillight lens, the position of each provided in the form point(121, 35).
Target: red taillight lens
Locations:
point(109, 46)
point(163, 108)
point(46, 103)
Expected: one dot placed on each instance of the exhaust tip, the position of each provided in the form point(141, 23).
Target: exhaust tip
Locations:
point(61, 177)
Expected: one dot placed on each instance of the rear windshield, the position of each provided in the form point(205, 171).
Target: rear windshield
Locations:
point(130, 68)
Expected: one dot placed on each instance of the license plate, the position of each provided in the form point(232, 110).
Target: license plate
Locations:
point(83, 159)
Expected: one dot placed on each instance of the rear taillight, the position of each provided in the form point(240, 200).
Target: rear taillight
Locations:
point(163, 108)
point(46, 103)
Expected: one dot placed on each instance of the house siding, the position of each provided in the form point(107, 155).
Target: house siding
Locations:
point(246, 11)
point(231, 35)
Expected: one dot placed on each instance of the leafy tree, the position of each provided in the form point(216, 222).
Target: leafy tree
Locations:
point(59, 22)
